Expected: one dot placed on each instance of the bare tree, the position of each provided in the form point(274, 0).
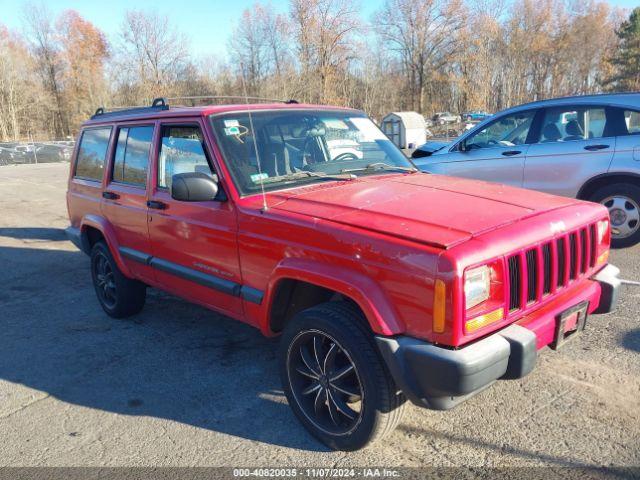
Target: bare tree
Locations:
point(46, 50)
point(424, 35)
point(17, 90)
point(153, 55)
point(324, 33)
point(260, 44)
point(248, 47)
point(276, 30)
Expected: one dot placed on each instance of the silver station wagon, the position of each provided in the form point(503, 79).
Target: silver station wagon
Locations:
point(586, 147)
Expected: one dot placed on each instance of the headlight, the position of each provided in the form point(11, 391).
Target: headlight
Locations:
point(477, 283)
point(603, 226)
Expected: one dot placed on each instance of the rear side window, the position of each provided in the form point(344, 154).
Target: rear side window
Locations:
point(181, 151)
point(632, 120)
point(572, 123)
point(132, 155)
point(92, 152)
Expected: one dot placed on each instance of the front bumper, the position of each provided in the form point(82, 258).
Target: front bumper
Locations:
point(440, 378)
point(609, 283)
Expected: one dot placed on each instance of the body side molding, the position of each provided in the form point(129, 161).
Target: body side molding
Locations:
point(249, 294)
point(252, 295)
point(135, 255)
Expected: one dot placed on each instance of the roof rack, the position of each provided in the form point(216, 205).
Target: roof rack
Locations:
point(158, 104)
point(231, 97)
point(162, 103)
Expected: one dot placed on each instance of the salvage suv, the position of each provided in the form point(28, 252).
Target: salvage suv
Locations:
point(384, 283)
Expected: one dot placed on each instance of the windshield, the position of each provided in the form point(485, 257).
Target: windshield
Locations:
point(301, 147)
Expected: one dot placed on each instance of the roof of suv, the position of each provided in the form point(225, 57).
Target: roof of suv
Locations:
point(614, 99)
point(164, 111)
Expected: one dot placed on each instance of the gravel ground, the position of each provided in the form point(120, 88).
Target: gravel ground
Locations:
point(182, 386)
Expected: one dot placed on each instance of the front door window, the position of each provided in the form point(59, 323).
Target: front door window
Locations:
point(181, 151)
point(506, 131)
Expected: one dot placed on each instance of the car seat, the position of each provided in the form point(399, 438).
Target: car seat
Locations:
point(276, 160)
point(574, 131)
point(551, 133)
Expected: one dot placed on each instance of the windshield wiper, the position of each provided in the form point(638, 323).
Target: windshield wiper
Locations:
point(379, 166)
point(306, 173)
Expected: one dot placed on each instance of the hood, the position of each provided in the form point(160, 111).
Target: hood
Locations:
point(430, 209)
point(429, 149)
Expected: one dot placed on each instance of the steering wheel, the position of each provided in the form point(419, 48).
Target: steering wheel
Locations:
point(345, 156)
point(492, 142)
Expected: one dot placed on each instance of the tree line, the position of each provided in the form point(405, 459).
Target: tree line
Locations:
point(422, 55)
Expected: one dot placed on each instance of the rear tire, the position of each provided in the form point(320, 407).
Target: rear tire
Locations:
point(623, 202)
point(335, 380)
point(119, 296)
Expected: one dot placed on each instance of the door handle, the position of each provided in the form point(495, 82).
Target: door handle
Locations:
point(596, 147)
point(510, 153)
point(110, 195)
point(157, 205)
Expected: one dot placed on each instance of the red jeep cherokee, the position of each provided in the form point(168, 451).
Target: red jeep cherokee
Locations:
point(306, 221)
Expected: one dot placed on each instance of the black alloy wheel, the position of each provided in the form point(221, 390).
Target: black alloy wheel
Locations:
point(105, 281)
point(119, 296)
point(325, 382)
point(335, 379)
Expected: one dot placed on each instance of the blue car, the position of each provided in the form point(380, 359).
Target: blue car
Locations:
point(476, 116)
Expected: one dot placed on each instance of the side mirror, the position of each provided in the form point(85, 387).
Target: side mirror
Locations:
point(193, 187)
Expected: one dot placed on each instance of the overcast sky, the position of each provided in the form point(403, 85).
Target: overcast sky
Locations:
point(207, 23)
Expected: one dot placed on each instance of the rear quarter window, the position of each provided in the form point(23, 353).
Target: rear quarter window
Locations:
point(632, 121)
point(92, 152)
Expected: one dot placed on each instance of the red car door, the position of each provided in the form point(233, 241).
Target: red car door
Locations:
point(194, 244)
point(124, 201)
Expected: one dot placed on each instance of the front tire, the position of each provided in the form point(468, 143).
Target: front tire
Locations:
point(335, 380)
point(119, 296)
point(623, 202)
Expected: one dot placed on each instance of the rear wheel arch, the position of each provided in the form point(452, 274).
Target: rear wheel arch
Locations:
point(594, 184)
point(91, 236)
point(93, 229)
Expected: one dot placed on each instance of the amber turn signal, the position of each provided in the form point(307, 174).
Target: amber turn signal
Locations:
point(603, 257)
point(439, 306)
point(484, 320)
